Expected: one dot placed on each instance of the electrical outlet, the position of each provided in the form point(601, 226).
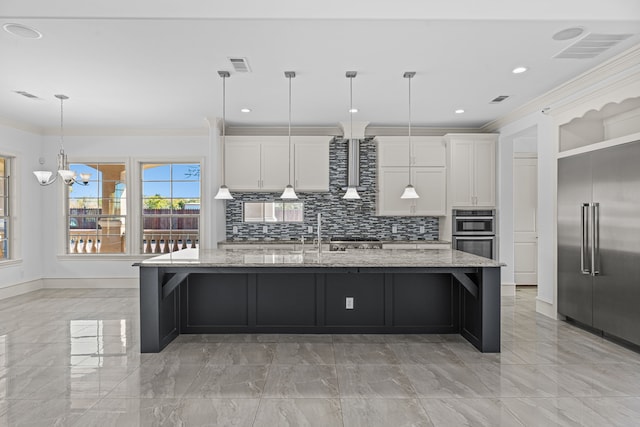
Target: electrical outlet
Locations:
point(394, 229)
point(265, 229)
point(310, 229)
point(349, 303)
point(235, 229)
point(422, 229)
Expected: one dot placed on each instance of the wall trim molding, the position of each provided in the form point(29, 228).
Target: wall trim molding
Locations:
point(508, 289)
point(20, 288)
point(546, 308)
point(91, 283)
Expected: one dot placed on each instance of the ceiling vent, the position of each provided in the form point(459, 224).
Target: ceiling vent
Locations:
point(591, 46)
point(26, 94)
point(498, 99)
point(240, 65)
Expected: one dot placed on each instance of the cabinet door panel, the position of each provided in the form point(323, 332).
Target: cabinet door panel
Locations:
point(485, 173)
point(242, 165)
point(462, 173)
point(312, 166)
point(393, 151)
point(428, 151)
point(392, 182)
point(275, 166)
point(431, 185)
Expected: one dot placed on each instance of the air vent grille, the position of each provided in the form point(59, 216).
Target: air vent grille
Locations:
point(591, 46)
point(240, 65)
point(498, 99)
point(26, 94)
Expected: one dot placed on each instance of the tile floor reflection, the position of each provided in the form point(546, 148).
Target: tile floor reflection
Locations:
point(72, 358)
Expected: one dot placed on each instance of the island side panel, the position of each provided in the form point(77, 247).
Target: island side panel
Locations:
point(158, 316)
point(481, 314)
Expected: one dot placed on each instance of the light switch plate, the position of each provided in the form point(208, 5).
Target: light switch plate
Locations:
point(235, 229)
point(265, 229)
point(422, 229)
point(310, 229)
point(394, 229)
point(349, 303)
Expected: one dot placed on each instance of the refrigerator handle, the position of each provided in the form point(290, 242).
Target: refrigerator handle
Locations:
point(584, 238)
point(595, 239)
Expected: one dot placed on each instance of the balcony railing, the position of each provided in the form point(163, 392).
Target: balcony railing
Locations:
point(165, 241)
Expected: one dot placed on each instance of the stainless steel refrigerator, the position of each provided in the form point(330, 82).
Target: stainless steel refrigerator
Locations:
point(599, 240)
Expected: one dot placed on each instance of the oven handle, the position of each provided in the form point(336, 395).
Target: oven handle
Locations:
point(473, 217)
point(474, 238)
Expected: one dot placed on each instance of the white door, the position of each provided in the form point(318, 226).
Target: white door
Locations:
point(275, 165)
point(525, 233)
point(242, 164)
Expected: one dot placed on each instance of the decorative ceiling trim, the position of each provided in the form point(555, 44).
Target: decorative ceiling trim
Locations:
point(618, 67)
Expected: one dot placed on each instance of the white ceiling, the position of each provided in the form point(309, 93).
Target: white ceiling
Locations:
point(153, 64)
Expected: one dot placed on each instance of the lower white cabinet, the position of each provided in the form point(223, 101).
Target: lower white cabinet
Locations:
point(429, 182)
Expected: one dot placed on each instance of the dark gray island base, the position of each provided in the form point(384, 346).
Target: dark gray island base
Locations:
point(404, 291)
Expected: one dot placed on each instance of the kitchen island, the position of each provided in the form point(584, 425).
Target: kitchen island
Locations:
point(282, 291)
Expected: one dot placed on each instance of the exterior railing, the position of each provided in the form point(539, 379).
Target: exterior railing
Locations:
point(165, 241)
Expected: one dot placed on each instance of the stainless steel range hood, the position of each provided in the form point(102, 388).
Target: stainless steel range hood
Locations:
point(353, 164)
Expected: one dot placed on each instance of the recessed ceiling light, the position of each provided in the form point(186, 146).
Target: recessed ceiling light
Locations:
point(459, 111)
point(519, 70)
point(245, 110)
point(568, 33)
point(353, 110)
point(22, 31)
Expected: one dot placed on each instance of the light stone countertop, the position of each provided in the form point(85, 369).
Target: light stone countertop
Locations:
point(287, 258)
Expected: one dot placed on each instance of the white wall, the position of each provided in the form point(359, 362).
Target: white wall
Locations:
point(27, 228)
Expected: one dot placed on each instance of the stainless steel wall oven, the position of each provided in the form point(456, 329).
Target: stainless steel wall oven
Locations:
point(474, 231)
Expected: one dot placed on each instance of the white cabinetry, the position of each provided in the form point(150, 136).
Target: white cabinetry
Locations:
point(472, 169)
point(311, 163)
point(428, 176)
point(261, 163)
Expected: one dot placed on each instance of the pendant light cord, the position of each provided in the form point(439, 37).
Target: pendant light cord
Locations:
point(61, 124)
point(351, 104)
point(224, 122)
point(410, 130)
point(290, 131)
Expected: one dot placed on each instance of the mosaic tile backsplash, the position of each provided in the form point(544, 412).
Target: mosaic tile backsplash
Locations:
point(340, 218)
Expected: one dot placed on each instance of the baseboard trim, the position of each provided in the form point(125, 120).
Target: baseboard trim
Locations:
point(21, 288)
point(92, 283)
point(546, 308)
point(508, 289)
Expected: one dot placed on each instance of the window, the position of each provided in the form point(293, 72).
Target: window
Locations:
point(5, 219)
point(170, 206)
point(273, 212)
point(97, 212)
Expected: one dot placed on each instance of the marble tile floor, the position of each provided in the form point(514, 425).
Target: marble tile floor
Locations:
point(72, 358)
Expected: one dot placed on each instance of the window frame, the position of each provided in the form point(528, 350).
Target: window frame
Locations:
point(66, 252)
point(140, 245)
point(7, 247)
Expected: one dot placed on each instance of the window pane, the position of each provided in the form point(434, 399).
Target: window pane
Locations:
point(4, 243)
point(253, 212)
point(186, 190)
point(156, 172)
point(293, 212)
point(186, 171)
point(156, 189)
point(273, 212)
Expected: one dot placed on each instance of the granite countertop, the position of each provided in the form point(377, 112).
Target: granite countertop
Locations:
point(308, 241)
point(287, 258)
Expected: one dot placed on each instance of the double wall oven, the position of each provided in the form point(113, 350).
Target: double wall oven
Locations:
point(474, 231)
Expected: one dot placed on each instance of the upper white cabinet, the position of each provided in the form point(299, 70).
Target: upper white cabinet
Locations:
point(427, 151)
point(428, 176)
point(311, 163)
point(261, 163)
point(472, 169)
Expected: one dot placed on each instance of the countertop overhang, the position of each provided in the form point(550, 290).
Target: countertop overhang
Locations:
point(375, 258)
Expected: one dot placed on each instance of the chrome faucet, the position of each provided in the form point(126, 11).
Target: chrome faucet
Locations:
point(319, 232)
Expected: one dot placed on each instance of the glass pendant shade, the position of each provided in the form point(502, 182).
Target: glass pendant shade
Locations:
point(43, 177)
point(67, 176)
point(223, 193)
point(409, 193)
point(351, 194)
point(289, 193)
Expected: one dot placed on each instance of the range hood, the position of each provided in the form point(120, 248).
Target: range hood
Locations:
point(353, 164)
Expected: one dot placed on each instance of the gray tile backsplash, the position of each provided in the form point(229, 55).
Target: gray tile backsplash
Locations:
point(340, 218)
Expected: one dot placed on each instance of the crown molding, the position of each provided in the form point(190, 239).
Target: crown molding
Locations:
point(126, 132)
point(415, 131)
point(607, 73)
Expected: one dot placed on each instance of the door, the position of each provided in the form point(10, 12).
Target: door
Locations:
point(312, 166)
point(462, 174)
point(575, 296)
point(616, 291)
point(391, 184)
point(242, 165)
point(525, 233)
point(431, 186)
point(274, 166)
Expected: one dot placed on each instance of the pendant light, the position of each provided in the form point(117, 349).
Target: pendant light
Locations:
point(352, 192)
point(223, 191)
point(68, 176)
point(409, 191)
point(289, 192)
